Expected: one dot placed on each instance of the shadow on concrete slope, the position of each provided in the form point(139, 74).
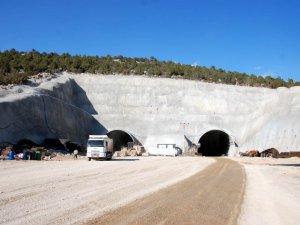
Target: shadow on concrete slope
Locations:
point(42, 116)
point(70, 92)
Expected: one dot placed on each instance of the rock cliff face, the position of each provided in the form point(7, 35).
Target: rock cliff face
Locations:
point(154, 111)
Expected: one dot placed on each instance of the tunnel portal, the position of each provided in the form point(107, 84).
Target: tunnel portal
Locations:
point(120, 139)
point(214, 143)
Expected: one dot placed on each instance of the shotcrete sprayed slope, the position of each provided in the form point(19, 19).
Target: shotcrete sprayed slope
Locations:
point(160, 111)
point(56, 109)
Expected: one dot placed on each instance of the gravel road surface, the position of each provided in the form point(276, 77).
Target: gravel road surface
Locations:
point(272, 194)
point(213, 196)
point(68, 192)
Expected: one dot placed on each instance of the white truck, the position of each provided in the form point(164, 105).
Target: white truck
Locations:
point(164, 149)
point(99, 147)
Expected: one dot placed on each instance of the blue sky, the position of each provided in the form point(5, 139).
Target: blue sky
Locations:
point(256, 37)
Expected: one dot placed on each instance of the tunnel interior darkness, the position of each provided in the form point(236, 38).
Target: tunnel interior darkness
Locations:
point(120, 139)
point(214, 143)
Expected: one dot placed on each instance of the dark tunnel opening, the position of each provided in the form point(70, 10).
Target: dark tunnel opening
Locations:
point(120, 139)
point(214, 143)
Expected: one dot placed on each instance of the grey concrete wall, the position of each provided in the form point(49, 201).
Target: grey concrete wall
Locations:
point(39, 113)
point(155, 110)
point(159, 110)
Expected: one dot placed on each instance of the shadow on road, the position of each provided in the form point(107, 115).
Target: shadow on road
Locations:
point(295, 164)
point(125, 159)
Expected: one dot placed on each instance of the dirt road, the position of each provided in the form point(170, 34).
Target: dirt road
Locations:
point(272, 194)
point(213, 196)
point(68, 192)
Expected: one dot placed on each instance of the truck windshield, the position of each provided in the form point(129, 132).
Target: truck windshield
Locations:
point(95, 143)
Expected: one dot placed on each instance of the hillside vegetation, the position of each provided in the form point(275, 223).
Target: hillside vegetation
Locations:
point(16, 67)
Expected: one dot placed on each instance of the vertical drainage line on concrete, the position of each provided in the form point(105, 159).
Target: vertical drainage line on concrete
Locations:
point(45, 115)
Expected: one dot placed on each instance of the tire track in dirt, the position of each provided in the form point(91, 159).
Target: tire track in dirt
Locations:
point(213, 196)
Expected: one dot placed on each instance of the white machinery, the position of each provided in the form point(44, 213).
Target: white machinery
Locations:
point(164, 149)
point(99, 147)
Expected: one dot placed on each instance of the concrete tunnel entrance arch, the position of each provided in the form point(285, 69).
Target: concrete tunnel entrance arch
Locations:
point(121, 139)
point(214, 143)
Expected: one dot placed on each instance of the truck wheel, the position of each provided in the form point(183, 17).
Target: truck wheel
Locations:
point(89, 158)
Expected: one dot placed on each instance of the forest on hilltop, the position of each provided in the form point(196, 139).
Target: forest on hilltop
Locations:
point(16, 68)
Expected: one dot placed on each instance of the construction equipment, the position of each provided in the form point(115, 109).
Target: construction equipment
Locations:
point(250, 153)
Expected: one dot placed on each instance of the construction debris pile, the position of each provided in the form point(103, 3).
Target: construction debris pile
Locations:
point(50, 149)
point(271, 152)
point(135, 150)
point(38, 153)
point(33, 153)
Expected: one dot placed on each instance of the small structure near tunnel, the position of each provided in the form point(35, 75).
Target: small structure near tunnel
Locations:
point(165, 150)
